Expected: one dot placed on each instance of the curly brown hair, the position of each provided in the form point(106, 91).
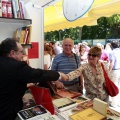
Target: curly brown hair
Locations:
point(95, 50)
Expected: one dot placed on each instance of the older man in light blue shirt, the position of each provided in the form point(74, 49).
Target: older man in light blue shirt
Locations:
point(66, 62)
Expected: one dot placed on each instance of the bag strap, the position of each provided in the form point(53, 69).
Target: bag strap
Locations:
point(77, 67)
point(105, 74)
point(75, 59)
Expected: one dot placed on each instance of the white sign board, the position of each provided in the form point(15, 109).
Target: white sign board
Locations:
point(74, 9)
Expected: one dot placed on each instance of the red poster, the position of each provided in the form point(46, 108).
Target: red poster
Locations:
point(33, 52)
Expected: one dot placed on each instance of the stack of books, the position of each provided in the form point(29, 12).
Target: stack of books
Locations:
point(88, 114)
point(84, 104)
point(91, 110)
point(23, 34)
point(12, 9)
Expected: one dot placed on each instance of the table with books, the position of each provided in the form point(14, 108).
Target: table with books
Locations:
point(69, 106)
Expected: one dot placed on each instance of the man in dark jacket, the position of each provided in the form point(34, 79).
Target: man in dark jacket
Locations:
point(14, 76)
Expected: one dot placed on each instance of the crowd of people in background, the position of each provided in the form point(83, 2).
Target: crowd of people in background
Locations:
point(61, 54)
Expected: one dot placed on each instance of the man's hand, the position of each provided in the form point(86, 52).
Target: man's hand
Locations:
point(64, 77)
point(59, 84)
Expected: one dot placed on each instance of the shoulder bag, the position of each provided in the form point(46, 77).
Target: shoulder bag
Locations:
point(110, 87)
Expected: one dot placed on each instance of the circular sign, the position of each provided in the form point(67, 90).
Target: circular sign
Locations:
point(74, 9)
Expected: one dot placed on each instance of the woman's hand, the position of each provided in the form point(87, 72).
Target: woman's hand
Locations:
point(64, 77)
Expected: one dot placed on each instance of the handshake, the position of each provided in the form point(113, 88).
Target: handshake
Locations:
point(63, 77)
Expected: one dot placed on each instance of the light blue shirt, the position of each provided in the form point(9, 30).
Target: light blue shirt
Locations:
point(65, 64)
point(115, 57)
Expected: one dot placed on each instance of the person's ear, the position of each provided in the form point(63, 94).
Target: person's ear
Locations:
point(12, 54)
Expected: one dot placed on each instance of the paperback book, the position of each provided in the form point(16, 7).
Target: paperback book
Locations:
point(84, 105)
point(100, 106)
point(81, 99)
point(95, 109)
point(52, 117)
point(60, 92)
point(88, 114)
point(63, 104)
point(42, 97)
point(64, 115)
point(33, 113)
point(68, 93)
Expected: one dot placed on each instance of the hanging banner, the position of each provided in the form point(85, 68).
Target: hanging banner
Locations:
point(74, 9)
point(33, 52)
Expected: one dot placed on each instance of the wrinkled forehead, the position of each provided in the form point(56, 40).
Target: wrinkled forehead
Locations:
point(68, 42)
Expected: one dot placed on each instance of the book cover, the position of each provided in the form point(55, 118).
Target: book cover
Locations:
point(111, 112)
point(9, 9)
point(22, 35)
point(61, 92)
point(81, 99)
point(4, 8)
point(84, 105)
point(42, 96)
point(22, 9)
point(64, 115)
point(88, 114)
point(34, 112)
point(80, 107)
point(28, 39)
point(52, 117)
point(100, 106)
point(17, 33)
point(14, 9)
point(63, 104)
point(17, 8)
point(28, 100)
point(68, 93)
point(26, 35)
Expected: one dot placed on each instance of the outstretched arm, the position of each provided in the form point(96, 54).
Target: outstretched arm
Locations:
point(64, 77)
point(71, 75)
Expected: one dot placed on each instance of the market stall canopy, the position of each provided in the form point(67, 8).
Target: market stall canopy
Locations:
point(55, 20)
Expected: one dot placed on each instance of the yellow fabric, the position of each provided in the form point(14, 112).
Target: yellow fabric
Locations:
point(55, 20)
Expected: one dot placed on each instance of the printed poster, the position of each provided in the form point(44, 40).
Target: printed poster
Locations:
point(33, 52)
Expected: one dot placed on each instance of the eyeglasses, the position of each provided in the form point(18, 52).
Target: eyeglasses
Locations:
point(93, 55)
point(21, 51)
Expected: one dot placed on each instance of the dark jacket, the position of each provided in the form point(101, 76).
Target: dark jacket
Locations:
point(14, 76)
